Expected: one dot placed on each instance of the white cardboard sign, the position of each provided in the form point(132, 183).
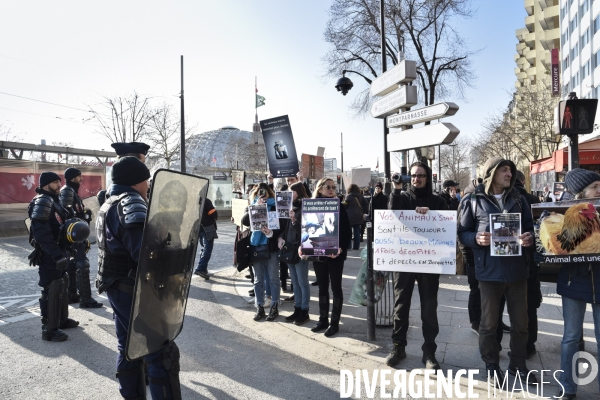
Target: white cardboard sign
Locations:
point(406, 241)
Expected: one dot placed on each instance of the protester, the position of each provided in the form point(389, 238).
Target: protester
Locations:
point(379, 201)
point(365, 208)
point(579, 286)
point(264, 240)
point(208, 223)
point(299, 271)
point(354, 202)
point(450, 195)
point(498, 277)
point(419, 197)
point(330, 268)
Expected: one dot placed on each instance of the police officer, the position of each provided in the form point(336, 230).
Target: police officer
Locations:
point(133, 149)
point(51, 256)
point(79, 265)
point(119, 226)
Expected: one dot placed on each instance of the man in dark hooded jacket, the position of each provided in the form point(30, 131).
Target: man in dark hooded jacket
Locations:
point(449, 194)
point(497, 276)
point(419, 197)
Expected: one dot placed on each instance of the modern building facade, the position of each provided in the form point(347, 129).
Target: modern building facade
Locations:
point(540, 34)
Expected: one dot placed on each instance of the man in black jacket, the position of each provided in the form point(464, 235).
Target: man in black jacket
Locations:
point(209, 220)
point(449, 194)
point(419, 197)
point(379, 201)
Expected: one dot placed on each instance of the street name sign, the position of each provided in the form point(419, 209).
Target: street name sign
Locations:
point(424, 114)
point(403, 72)
point(428, 135)
point(404, 96)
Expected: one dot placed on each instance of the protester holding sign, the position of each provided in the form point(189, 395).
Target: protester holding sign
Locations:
point(330, 268)
point(497, 277)
point(419, 197)
point(579, 285)
point(263, 254)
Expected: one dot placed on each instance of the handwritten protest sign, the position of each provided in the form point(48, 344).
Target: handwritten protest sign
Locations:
point(238, 207)
point(406, 241)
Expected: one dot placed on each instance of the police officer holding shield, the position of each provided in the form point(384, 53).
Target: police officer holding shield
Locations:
point(120, 226)
point(79, 265)
point(51, 255)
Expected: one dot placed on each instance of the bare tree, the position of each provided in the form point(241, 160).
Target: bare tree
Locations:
point(163, 133)
point(524, 132)
point(124, 119)
point(442, 56)
point(455, 161)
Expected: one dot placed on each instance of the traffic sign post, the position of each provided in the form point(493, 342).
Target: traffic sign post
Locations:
point(429, 135)
point(403, 97)
point(404, 72)
point(424, 114)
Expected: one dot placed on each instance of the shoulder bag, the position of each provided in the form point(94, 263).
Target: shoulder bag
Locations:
point(210, 231)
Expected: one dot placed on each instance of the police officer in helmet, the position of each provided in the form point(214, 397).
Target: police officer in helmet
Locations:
point(51, 256)
point(79, 265)
point(120, 225)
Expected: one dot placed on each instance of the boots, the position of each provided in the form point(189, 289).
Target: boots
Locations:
point(260, 313)
point(51, 322)
point(83, 283)
point(273, 313)
point(65, 321)
point(302, 318)
point(336, 313)
point(292, 317)
point(323, 314)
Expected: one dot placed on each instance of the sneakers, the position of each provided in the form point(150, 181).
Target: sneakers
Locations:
point(68, 324)
point(251, 293)
point(90, 303)
point(397, 354)
point(505, 328)
point(292, 317)
point(273, 313)
point(332, 330)
point(321, 325)
point(54, 336)
point(495, 374)
point(289, 299)
point(260, 313)
point(430, 362)
point(302, 318)
point(524, 374)
point(202, 274)
point(475, 329)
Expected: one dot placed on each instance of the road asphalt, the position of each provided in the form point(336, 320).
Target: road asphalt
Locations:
point(225, 354)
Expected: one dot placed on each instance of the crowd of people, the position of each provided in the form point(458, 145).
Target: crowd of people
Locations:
point(495, 284)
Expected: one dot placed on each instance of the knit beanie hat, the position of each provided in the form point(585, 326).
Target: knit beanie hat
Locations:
point(379, 185)
point(71, 173)
point(129, 171)
point(48, 177)
point(448, 183)
point(578, 178)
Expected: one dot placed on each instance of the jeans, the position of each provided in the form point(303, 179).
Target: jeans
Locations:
point(573, 312)
point(129, 384)
point(404, 283)
point(516, 302)
point(356, 237)
point(207, 248)
point(271, 267)
point(299, 275)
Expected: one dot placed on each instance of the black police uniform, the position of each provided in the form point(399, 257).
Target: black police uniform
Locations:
point(79, 265)
point(119, 229)
point(47, 217)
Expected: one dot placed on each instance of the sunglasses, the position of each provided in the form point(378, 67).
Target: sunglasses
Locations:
point(420, 176)
point(329, 187)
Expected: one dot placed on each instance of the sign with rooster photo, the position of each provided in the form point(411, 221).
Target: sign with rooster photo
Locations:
point(567, 231)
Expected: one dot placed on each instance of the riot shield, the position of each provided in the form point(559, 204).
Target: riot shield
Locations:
point(93, 205)
point(166, 262)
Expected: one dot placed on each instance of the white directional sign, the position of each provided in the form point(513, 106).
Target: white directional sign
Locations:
point(429, 135)
point(404, 96)
point(404, 72)
point(424, 114)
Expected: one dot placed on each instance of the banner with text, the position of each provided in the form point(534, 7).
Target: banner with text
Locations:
point(279, 144)
point(406, 241)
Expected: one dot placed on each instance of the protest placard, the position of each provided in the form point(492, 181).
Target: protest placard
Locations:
point(320, 221)
point(407, 241)
point(238, 208)
point(283, 203)
point(505, 229)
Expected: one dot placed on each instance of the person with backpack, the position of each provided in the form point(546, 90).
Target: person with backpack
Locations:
point(497, 276)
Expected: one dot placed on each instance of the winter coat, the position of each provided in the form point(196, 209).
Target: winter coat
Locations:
point(470, 221)
point(354, 203)
point(414, 197)
point(378, 202)
point(452, 202)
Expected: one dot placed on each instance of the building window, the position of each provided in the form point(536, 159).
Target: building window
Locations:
point(574, 51)
point(575, 80)
point(565, 63)
point(597, 23)
point(595, 59)
point(585, 38)
point(585, 6)
point(573, 23)
point(585, 70)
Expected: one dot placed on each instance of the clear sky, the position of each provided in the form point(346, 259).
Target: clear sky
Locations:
point(73, 53)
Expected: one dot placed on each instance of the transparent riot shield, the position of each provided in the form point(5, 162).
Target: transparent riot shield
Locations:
point(166, 261)
point(93, 205)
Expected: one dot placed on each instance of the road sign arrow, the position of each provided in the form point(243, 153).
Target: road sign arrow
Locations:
point(404, 96)
point(404, 72)
point(424, 114)
point(429, 135)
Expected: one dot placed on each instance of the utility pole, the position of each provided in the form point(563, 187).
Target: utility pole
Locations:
point(342, 157)
point(182, 139)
